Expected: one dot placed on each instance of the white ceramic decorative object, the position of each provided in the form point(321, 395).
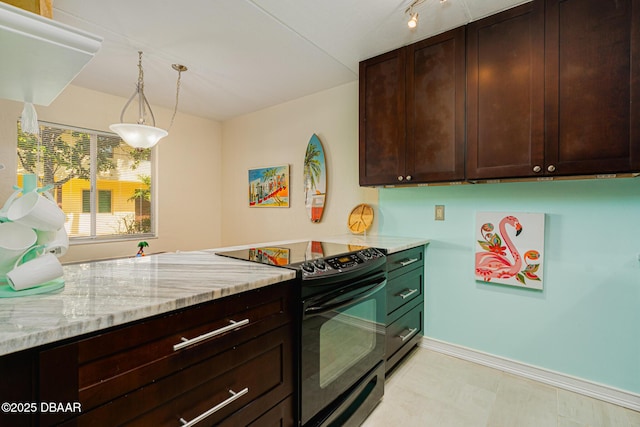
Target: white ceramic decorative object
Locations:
point(36, 272)
point(36, 211)
point(32, 236)
point(56, 242)
point(15, 240)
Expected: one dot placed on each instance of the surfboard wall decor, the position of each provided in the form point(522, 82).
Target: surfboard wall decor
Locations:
point(315, 179)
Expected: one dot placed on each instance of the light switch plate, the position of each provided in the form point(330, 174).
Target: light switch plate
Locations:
point(439, 212)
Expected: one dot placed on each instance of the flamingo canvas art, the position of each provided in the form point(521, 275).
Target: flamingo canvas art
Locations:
point(510, 248)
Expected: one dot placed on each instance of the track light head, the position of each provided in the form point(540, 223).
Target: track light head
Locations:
point(413, 21)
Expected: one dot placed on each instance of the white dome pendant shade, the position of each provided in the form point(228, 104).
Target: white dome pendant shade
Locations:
point(140, 135)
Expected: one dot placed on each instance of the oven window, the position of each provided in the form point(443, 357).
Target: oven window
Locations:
point(345, 339)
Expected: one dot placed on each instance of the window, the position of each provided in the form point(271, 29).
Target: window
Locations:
point(104, 201)
point(102, 185)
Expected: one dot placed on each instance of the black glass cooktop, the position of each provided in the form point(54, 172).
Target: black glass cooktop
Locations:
point(291, 254)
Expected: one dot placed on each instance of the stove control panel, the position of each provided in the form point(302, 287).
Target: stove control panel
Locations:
point(339, 263)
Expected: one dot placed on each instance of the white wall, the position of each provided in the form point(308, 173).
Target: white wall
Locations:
point(202, 166)
point(277, 136)
point(187, 176)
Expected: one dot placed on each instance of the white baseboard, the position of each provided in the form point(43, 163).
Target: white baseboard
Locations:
point(556, 379)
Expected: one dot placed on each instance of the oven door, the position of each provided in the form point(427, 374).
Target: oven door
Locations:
point(342, 340)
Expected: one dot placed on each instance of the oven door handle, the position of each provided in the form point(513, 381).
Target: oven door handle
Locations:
point(343, 301)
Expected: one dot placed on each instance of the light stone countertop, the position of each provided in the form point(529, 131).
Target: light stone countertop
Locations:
point(98, 295)
point(390, 244)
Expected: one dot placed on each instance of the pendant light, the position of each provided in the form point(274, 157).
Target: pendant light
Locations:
point(142, 135)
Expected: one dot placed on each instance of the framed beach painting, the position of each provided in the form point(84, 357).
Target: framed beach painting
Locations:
point(269, 187)
point(509, 248)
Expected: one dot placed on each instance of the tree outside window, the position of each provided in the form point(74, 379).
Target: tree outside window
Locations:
point(102, 184)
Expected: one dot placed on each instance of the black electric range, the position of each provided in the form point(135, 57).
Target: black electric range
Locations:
point(313, 259)
point(341, 307)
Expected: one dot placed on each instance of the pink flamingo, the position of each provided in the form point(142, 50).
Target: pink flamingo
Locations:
point(494, 263)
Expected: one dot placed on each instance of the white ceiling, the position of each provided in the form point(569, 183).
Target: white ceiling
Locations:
point(245, 55)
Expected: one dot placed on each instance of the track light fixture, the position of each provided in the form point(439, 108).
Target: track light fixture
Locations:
point(413, 15)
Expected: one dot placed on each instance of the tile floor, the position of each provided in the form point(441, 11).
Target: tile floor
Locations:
point(433, 389)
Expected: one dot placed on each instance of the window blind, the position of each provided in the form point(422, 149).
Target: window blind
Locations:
point(102, 185)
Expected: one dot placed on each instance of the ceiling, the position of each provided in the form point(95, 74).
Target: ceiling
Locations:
point(245, 55)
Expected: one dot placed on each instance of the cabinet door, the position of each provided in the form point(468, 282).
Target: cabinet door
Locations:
point(18, 389)
point(382, 118)
point(435, 108)
point(505, 93)
point(592, 86)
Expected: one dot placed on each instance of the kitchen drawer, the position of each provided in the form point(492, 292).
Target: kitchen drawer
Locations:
point(404, 334)
point(404, 289)
point(281, 415)
point(101, 368)
point(407, 259)
point(259, 371)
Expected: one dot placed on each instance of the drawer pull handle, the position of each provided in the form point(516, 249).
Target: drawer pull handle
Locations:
point(411, 333)
point(406, 294)
point(187, 342)
point(408, 261)
point(234, 396)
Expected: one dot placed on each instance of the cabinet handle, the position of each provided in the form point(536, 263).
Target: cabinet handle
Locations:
point(551, 168)
point(409, 177)
point(411, 333)
point(537, 168)
point(408, 261)
point(400, 178)
point(187, 342)
point(406, 294)
point(216, 408)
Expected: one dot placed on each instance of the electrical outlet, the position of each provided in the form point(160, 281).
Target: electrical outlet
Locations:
point(439, 212)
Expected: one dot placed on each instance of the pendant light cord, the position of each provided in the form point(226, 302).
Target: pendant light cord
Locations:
point(140, 90)
point(179, 68)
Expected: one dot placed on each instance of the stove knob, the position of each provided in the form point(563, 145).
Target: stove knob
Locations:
point(320, 265)
point(308, 267)
point(367, 253)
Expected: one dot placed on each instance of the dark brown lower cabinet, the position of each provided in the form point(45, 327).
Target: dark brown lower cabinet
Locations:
point(230, 361)
point(18, 389)
point(280, 415)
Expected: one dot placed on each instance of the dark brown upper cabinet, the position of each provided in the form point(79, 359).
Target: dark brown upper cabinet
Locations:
point(554, 89)
point(412, 113)
point(505, 93)
point(382, 118)
point(592, 81)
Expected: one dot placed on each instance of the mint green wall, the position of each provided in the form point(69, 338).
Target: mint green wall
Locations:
point(586, 321)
